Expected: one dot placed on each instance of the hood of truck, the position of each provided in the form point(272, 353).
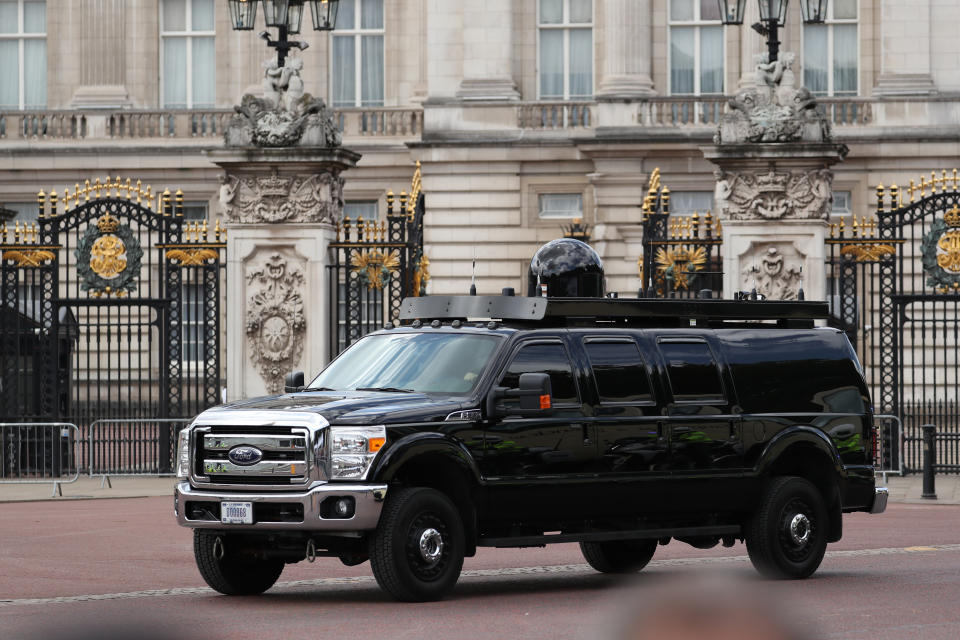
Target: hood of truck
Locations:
point(356, 407)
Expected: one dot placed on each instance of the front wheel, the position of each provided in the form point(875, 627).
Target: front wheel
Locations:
point(229, 572)
point(619, 556)
point(787, 536)
point(416, 552)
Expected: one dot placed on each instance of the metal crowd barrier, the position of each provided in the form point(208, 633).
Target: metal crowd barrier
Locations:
point(39, 452)
point(888, 458)
point(133, 447)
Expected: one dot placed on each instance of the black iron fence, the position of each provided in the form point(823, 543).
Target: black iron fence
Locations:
point(374, 265)
point(681, 254)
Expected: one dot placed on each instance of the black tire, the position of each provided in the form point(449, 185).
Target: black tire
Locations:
point(232, 574)
point(619, 556)
point(787, 536)
point(416, 552)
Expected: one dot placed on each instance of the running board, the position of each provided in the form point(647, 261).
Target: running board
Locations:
point(603, 536)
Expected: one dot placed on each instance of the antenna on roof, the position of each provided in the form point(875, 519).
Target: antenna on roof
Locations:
point(473, 273)
point(800, 295)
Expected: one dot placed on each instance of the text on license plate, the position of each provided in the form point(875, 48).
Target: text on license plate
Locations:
point(236, 512)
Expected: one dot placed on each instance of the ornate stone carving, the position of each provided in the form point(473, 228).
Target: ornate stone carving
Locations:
point(276, 198)
point(285, 116)
point(275, 321)
point(771, 274)
point(804, 195)
point(774, 110)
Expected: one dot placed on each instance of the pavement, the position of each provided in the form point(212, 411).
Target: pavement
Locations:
point(902, 489)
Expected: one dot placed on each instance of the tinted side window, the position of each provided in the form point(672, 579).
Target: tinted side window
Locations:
point(619, 371)
point(693, 371)
point(544, 358)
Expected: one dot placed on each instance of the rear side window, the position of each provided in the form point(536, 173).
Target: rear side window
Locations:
point(693, 371)
point(619, 371)
point(550, 358)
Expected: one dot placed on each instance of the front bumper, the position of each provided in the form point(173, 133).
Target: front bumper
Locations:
point(880, 496)
point(368, 502)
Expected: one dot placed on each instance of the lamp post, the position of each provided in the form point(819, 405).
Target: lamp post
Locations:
point(773, 15)
point(286, 16)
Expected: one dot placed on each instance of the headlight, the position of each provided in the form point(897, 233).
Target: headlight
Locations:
point(183, 453)
point(352, 450)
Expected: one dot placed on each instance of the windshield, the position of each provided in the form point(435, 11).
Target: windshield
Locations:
point(424, 362)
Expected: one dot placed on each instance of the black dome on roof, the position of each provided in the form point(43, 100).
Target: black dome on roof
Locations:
point(570, 269)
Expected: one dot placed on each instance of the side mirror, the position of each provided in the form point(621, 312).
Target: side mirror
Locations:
point(293, 382)
point(535, 393)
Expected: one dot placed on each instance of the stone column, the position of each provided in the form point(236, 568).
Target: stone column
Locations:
point(101, 32)
point(280, 207)
point(774, 187)
point(627, 50)
point(488, 51)
point(905, 35)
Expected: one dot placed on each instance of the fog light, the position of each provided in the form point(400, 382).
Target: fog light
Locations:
point(342, 507)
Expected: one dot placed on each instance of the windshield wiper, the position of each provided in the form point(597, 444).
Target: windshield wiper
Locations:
point(387, 389)
point(319, 389)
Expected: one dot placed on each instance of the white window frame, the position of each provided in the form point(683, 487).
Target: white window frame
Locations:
point(566, 26)
point(21, 37)
point(189, 34)
point(829, 24)
point(357, 33)
point(697, 25)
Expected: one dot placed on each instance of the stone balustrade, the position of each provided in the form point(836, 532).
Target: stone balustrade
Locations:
point(206, 126)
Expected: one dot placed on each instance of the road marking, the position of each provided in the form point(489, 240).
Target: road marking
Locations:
point(473, 573)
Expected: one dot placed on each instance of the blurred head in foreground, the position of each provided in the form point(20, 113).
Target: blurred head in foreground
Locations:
point(696, 609)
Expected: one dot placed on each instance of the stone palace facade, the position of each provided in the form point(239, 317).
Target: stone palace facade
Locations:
point(524, 114)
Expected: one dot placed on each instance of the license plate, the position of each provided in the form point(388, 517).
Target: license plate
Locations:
point(236, 512)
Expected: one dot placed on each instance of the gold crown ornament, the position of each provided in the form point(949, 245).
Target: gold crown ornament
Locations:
point(107, 223)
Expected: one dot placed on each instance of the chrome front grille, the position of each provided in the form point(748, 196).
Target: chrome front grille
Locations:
point(283, 452)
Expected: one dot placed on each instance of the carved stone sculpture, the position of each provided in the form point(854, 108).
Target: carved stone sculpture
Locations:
point(285, 116)
point(275, 322)
point(774, 111)
point(275, 198)
point(770, 274)
point(774, 195)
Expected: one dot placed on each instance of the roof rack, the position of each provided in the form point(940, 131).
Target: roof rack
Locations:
point(630, 311)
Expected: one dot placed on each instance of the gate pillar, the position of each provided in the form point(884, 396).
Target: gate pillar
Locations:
point(281, 196)
point(774, 187)
point(281, 208)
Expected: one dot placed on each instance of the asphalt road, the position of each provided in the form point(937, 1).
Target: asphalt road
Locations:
point(122, 568)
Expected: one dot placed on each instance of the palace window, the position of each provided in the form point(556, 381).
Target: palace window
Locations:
point(357, 59)
point(696, 47)
point(565, 30)
point(368, 209)
point(23, 54)
point(188, 60)
point(690, 202)
point(561, 205)
point(830, 51)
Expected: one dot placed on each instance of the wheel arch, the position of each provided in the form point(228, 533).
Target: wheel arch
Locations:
point(438, 462)
point(808, 453)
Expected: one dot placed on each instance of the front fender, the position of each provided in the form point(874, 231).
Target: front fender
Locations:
point(417, 445)
point(798, 434)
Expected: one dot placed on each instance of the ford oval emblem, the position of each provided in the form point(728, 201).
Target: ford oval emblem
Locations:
point(244, 455)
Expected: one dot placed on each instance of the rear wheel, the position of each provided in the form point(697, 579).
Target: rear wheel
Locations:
point(230, 572)
point(619, 556)
point(416, 552)
point(787, 536)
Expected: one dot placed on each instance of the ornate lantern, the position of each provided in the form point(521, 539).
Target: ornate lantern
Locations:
point(731, 11)
point(275, 12)
point(324, 14)
point(814, 11)
point(771, 10)
point(294, 16)
point(243, 14)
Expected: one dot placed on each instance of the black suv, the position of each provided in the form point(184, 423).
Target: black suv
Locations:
point(618, 424)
